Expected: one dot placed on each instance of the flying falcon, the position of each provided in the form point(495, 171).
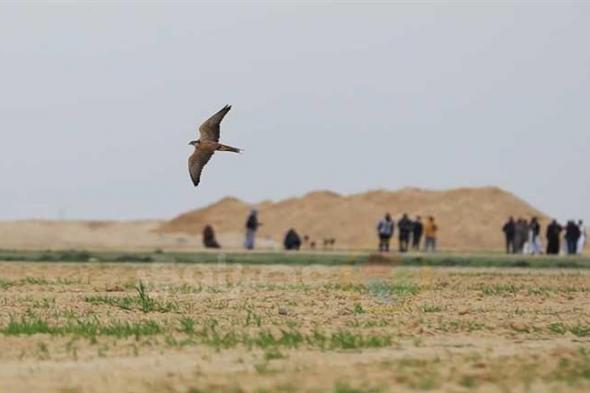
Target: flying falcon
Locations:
point(207, 144)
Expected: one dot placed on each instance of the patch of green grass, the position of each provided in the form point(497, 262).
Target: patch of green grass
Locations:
point(68, 281)
point(143, 301)
point(468, 381)
point(27, 326)
point(209, 334)
point(187, 325)
point(430, 308)
point(343, 339)
point(5, 284)
point(572, 370)
point(186, 289)
point(557, 327)
point(45, 303)
point(133, 258)
point(580, 330)
point(391, 290)
point(272, 354)
point(65, 256)
point(576, 329)
point(301, 258)
point(83, 328)
point(344, 387)
point(462, 325)
point(252, 318)
point(384, 289)
point(500, 289)
point(34, 281)
point(358, 309)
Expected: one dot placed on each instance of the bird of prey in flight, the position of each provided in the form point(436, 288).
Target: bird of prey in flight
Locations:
point(207, 144)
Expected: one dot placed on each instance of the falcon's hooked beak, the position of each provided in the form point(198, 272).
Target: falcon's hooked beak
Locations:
point(193, 143)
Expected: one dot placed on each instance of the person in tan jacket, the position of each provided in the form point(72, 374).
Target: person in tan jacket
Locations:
point(430, 230)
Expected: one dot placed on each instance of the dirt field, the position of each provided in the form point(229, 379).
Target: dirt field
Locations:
point(202, 328)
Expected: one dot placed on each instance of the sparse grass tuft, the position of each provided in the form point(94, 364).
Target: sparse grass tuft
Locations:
point(430, 308)
point(35, 281)
point(576, 329)
point(500, 289)
point(187, 326)
point(358, 309)
point(5, 284)
point(142, 302)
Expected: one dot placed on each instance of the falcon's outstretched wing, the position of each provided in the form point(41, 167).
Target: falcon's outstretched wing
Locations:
point(196, 163)
point(209, 130)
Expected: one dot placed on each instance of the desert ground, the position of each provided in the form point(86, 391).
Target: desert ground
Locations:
point(106, 327)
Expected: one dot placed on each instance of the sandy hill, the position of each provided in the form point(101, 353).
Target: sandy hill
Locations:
point(469, 218)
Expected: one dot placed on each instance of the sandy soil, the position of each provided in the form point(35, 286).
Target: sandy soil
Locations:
point(447, 329)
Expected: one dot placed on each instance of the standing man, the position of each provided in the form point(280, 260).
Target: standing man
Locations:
point(385, 229)
point(521, 235)
point(572, 235)
point(252, 225)
point(535, 227)
point(417, 230)
point(553, 233)
point(509, 230)
point(405, 227)
point(430, 230)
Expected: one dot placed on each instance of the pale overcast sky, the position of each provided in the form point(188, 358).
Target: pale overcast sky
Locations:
point(98, 103)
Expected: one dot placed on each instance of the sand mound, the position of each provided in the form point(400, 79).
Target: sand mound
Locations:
point(469, 218)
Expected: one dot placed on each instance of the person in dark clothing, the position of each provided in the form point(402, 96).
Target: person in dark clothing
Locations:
point(292, 240)
point(535, 228)
point(385, 229)
point(509, 229)
point(417, 230)
point(209, 237)
point(553, 233)
point(252, 225)
point(521, 235)
point(572, 234)
point(405, 227)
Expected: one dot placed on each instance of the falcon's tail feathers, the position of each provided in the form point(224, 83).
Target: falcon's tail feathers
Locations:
point(229, 148)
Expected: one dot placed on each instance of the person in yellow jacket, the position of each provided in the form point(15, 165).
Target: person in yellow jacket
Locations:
point(430, 230)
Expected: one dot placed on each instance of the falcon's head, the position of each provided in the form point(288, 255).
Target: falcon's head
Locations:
point(195, 143)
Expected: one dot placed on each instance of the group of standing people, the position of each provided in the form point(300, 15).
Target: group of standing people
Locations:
point(524, 237)
point(409, 233)
point(574, 236)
